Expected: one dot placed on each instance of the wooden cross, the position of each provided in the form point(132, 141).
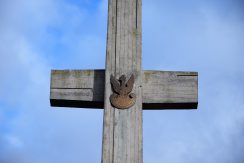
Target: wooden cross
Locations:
point(123, 103)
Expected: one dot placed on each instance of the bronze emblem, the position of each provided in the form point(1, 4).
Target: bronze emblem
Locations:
point(122, 98)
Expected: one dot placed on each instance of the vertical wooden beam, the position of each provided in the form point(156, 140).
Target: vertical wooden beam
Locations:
point(122, 129)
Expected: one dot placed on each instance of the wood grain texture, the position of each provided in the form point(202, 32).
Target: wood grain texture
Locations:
point(122, 130)
point(170, 90)
point(161, 89)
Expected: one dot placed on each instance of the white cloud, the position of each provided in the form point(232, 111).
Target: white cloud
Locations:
point(14, 141)
point(39, 35)
point(41, 133)
point(209, 42)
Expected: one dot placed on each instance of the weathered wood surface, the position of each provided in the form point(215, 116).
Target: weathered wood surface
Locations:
point(75, 88)
point(161, 89)
point(122, 129)
point(170, 90)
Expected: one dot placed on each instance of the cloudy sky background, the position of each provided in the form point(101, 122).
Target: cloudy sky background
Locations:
point(205, 36)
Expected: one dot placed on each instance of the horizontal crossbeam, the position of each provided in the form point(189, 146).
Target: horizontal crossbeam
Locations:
point(161, 89)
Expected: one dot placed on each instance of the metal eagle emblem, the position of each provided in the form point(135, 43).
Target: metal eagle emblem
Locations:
point(122, 98)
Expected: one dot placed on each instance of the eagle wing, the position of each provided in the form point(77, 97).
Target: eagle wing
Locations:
point(130, 84)
point(115, 84)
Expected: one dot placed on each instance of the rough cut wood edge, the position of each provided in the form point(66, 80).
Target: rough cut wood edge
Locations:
point(77, 104)
point(71, 82)
point(100, 105)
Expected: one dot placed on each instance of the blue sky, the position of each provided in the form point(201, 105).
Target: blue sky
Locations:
point(205, 36)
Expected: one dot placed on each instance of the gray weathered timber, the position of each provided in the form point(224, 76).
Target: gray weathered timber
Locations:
point(75, 88)
point(161, 89)
point(170, 90)
point(122, 129)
